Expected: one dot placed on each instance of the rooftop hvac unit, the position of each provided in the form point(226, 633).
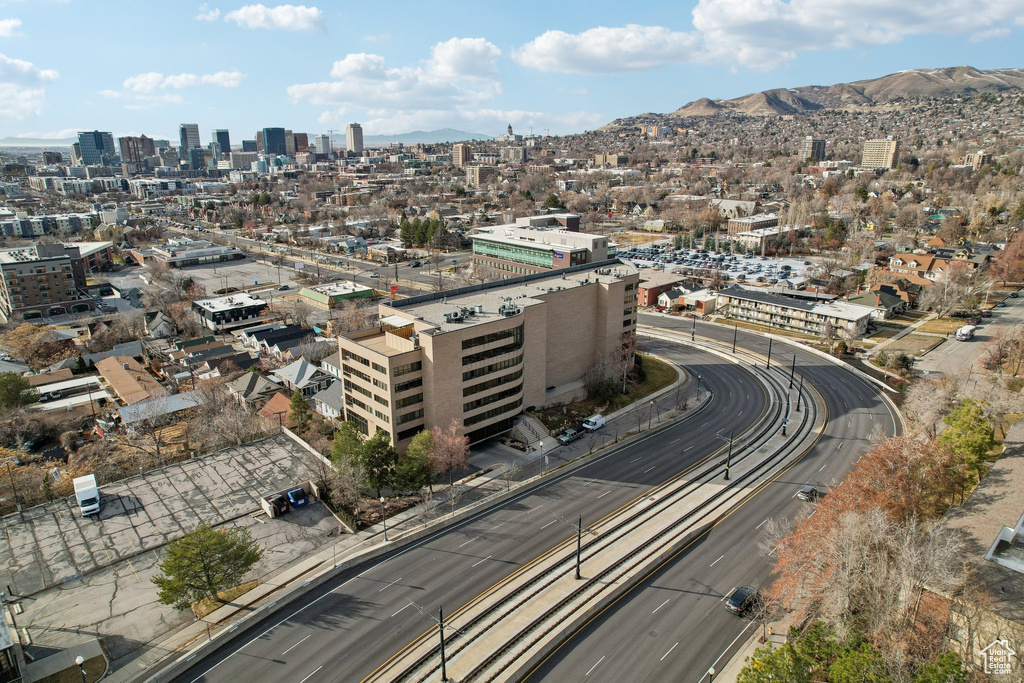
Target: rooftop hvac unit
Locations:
point(479, 309)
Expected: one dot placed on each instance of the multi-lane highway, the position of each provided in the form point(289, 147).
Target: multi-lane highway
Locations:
point(680, 625)
point(348, 627)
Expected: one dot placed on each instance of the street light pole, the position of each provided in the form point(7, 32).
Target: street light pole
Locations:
point(579, 534)
point(800, 395)
point(728, 458)
point(698, 387)
point(769, 353)
point(80, 661)
point(384, 517)
point(693, 330)
point(735, 330)
point(791, 371)
point(440, 630)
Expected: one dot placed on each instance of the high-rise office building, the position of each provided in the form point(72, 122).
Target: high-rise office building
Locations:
point(197, 158)
point(261, 145)
point(274, 141)
point(188, 135)
point(880, 153)
point(131, 150)
point(222, 138)
point(95, 148)
point(323, 144)
point(289, 142)
point(301, 143)
point(249, 146)
point(812, 149)
point(354, 138)
point(461, 154)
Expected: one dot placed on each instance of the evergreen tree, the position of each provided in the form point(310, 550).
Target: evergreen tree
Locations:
point(204, 562)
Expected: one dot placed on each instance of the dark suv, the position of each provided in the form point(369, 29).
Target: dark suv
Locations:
point(742, 601)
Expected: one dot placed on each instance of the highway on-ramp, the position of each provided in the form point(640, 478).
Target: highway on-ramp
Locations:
point(349, 626)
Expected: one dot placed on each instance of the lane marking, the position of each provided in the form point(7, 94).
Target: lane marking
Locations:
point(402, 610)
point(655, 609)
point(310, 675)
point(716, 561)
point(634, 460)
point(704, 425)
point(604, 494)
point(549, 524)
point(687, 448)
point(390, 584)
point(470, 541)
point(296, 644)
point(649, 469)
point(667, 653)
point(728, 593)
point(588, 670)
point(535, 509)
point(484, 560)
point(672, 442)
point(822, 467)
point(761, 524)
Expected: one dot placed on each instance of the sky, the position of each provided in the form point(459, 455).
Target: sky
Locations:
point(561, 66)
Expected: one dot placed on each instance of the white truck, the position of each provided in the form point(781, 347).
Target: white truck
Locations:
point(88, 494)
point(594, 422)
point(966, 332)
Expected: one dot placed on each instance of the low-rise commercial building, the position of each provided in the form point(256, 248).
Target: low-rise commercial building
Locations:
point(182, 252)
point(229, 312)
point(524, 248)
point(482, 354)
point(796, 315)
point(761, 221)
point(333, 294)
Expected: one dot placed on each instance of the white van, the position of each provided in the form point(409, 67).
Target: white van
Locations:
point(88, 494)
point(594, 422)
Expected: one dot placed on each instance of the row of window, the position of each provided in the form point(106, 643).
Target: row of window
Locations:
point(406, 369)
point(408, 433)
point(348, 370)
point(491, 383)
point(493, 398)
point(409, 417)
point(493, 412)
point(492, 337)
point(493, 367)
point(411, 384)
point(497, 351)
point(348, 355)
point(408, 401)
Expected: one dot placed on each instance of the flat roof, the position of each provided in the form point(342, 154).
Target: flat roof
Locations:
point(337, 288)
point(227, 303)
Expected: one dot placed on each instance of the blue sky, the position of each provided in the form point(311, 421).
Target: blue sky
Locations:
point(144, 66)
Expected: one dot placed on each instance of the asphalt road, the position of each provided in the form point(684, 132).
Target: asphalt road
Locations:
point(952, 356)
point(678, 624)
point(351, 625)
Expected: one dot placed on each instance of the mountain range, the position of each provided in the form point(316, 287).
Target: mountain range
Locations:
point(914, 83)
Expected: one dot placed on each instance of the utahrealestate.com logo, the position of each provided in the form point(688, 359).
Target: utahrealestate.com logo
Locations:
point(998, 657)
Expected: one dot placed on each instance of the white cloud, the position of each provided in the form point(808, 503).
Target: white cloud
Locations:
point(459, 70)
point(18, 103)
point(608, 50)
point(284, 17)
point(764, 34)
point(207, 14)
point(19, 71)
point(152, 81)
point(9, 28)
point(990, 34)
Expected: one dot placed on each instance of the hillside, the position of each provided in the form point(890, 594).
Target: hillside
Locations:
point(915, 83)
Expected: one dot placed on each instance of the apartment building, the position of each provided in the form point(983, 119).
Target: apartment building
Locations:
point(812, 149)
point(880, 153)
point(482, 354)
point(978, 159)
point(461, 155)
point(48, 279)
point(611, 160)
point(797, 315)
point(523, 248)
point(480, 175)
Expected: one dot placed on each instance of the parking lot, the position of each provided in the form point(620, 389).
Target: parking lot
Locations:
point(735, 267)
point(50, 545)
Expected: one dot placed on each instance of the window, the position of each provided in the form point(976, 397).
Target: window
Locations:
point(627, 323)
point(380, 368)
point(382, 416)
point(487, 400)
point(493, 412)
point(409, 417)
point(492, 337)
point(491, 383)
point(379, 384)
point(348, 355)
point(493, 367)
point(408, 401)
point(411, 384)
point(351, 400)
point(382, 401)
point(349, 371)
point(406, 369)
point(497, 351)
point(408, 433)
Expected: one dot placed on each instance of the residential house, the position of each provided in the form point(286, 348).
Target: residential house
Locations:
point(159, 325)
point(304, 377)
point(129, 381)
point(252, 389)
point(332, 365)
point(329, 401)
point(277, 408)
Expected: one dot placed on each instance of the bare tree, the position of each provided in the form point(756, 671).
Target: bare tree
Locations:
point(451, 449)
point(624, 357)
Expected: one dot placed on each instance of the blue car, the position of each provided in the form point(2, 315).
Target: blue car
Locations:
point(297, 498)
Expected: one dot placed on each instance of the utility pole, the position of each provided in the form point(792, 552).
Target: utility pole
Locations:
point(735, 330)
point(440, 630)
point(800, 395)
point(791, 371)
point(579, 533)
point(728, 458)
point(769, 353)
point(693, 330)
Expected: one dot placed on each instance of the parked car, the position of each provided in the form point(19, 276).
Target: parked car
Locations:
point(742, 601)
point(809, 493)
point(374, 274)
point(986, 313)
point(297, 498)
point(594, 422)
point(283, 287)
point(569, 435)
point(1013, 295)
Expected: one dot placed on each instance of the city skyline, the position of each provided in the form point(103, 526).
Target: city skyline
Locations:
point(317, 68)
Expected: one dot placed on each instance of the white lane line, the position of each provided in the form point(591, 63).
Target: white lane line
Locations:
point(604, 494)
point(484, 560)
point(741, 414)
point(402, 610)
point(390, 584)
point(655, 609)
point(761, 524)
point(591, 668)
point(297, 644)
point(535, 509)
point(673, 442)
point(649, 469)
point(728, 593)
point(667, 653)
point(704, 425)
point(716, 561)
point(839, 446)
point(822, 467)
point(310, 675)
point(634, 460)
point(469, 541)
point(549, 524)
point(687, 448)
